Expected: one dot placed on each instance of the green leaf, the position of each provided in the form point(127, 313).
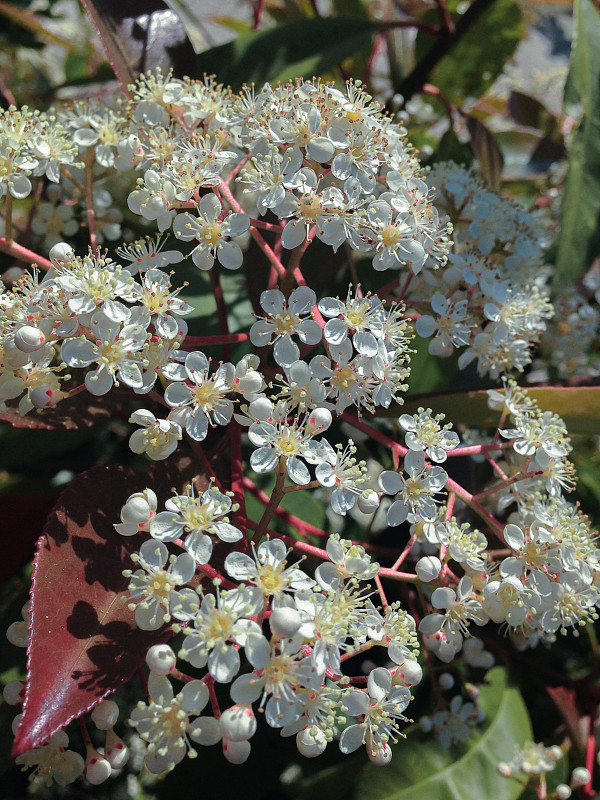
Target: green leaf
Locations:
point(450, 148)
point(304, 47)
point(424, 769)
point(578, 406)
point(579, 241)
point(429, 373)
point(473, 64)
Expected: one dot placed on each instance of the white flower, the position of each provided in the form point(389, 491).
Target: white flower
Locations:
point(364, 316)
point(459, 611)
point(165, 724)
point(268, 570)
point(195, 517)
point(289, 442)
point(347, 560)
point(283, 320)
point(343, 474)
point(160, 303)
point(281, 668)
point(154, 587)
point(212, 235)
point(117, 351)
point(424, 432)
point(159, 437)
point(451, 326)
point(220, 623)
point(456, 724)
point(416, 501)
point(52, 761)
point(381, 709)
point(147, 253)
point(199, 396)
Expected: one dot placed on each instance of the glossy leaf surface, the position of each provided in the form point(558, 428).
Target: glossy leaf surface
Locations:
point(424, 769)
point(304, 47)
point(83, 641)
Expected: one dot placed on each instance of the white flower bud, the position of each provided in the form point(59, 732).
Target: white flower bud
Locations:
point(61, 252)
point(446, 681)
point(29, 338)
point(161, 659)
point(285, 622)
point(236, 752)
point(554, 753)
point(579, 777)
point(105, 715)
point(425, 724)
point(97, 768)
point(238, 724)
point(115, 750)
point(17, 634)
point(318, 421)
point(311, 742)
point(380, 757)
point(504, 769)
point(428, 568)
point(13, 693)
point(45, 396)
point(407, 674)
point(15, 724)
point(368, 501)
point(563, 792)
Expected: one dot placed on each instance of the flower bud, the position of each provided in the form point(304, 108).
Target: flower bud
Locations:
point(105, 715)
point(311, 742)
point(17, 634)
point(563, 792)
point(579, 777)
point(425, 724)
point(13, 693)
point(238, 724)
point(115, 750)
point(97, 768)
point(318, 421)
point(45, 396)
point(236, 752)
point(446, 681)
point(161, 659)
point(504, 769)
point(428, 568)
point(285, 622)
point(61, 252)
point(407, 674)
point(29, 338)
point(380, 757)
point(554, 753)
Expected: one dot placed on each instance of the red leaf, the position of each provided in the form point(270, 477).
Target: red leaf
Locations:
point(83, 641)
point(82, 410)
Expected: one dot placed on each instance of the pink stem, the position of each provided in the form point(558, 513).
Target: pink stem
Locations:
point(23, 253)
point(207, 341)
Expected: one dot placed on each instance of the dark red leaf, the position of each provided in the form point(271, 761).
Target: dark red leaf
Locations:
point(486, 149)
point(82, 410)
point(139, 35)
point(83, 641)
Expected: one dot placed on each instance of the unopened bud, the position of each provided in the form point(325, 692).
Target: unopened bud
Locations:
point(285, 622)
point(236, 752)
point(563, 792)
point(13, 693)
point(161, 659)
point(311, 742)
point(61, 252)
point(368, 501)
point(504, 769)
point(428, 568)
point(380, 757)
point(407, 674)
point(97, 768)
point(29, 338)
point(238, 724)
point(116, 751)
point(45, 396)
point(579, 777)
point(105, 715)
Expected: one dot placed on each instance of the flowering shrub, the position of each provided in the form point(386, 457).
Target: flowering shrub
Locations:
point(235, 611)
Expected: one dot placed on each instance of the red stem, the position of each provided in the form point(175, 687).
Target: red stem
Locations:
point(23, 253)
